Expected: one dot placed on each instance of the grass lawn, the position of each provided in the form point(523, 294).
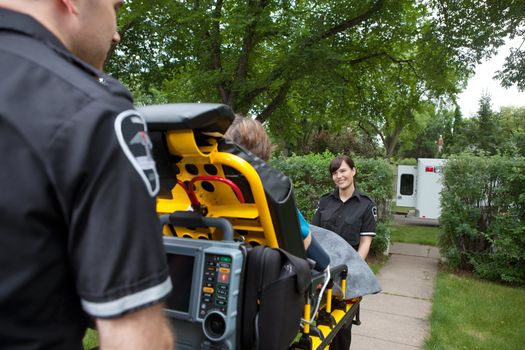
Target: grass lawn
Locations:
point(414, 234)
point(471, 314)
point(376, 262)
point(90, 339)
point(402, 210)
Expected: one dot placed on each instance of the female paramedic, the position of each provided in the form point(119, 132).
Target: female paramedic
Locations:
point(251, 135)
point(351, 214)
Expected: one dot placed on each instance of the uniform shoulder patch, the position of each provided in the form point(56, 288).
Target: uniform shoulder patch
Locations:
point(374, 212)
point(132, 135)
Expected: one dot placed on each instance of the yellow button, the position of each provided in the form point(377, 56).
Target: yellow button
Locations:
point(224, 270)
point(207, 290)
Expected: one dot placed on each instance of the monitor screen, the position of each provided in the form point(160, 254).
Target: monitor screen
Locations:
point(181, 273)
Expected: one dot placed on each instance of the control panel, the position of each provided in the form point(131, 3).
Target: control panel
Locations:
point(216, 283)
point(203, 304)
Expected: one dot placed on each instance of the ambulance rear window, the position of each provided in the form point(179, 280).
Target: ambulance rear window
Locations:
point(407, 185)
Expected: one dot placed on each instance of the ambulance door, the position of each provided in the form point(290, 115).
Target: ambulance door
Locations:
point(406, 185)
point(429, 186)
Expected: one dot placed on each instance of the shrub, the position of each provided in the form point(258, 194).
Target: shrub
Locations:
point(407, 161)
point(311, 180)
point(381, 241)
point(483, 216)
point(309, 175)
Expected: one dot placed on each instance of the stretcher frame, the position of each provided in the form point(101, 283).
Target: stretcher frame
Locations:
point(189, 135)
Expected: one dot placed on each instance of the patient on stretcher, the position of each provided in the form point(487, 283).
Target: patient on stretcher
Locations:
point(251, 135)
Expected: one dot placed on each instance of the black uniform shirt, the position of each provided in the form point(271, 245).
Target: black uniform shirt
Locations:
point(351, 219)
point(78, 229)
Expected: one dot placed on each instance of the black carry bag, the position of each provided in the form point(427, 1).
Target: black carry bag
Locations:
point(273, 301)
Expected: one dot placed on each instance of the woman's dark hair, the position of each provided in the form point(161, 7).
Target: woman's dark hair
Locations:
point(337, 161)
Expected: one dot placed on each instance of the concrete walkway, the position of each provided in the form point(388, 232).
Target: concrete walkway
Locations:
point(410, 219)
point(397, 318)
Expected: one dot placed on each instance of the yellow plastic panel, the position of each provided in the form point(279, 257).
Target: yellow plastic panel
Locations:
point(325, 330)
point(182, 143)
point(241, 211)
point(256, 186)
point(252, 219)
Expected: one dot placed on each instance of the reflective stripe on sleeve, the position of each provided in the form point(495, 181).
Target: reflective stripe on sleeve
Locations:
point(367, 233)
point(129, 302)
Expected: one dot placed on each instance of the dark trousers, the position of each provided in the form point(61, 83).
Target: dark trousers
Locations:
point(343, 339)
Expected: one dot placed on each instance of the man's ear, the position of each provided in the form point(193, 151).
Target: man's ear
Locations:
point(70, 6)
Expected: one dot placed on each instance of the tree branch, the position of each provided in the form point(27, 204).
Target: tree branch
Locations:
point(353, 21)
point(280, 68)
point(215, 48)
point(376, 129)
point(276, 102)
point(248, 42)
point(399, 61)
point(249, 96)
point(391, 140)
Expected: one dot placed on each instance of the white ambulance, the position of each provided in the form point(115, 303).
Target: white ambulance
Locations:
point(419, 187)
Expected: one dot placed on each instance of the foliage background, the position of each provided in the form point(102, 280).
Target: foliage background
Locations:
point(373, 75)
point(483, 216)
point(372, 78)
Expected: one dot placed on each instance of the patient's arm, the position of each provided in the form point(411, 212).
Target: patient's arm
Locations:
point(317, 253)
point(307, 241)
point(313, 249)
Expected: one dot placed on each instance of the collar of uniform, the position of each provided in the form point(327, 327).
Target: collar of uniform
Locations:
point(356, 194)
point(27, 25)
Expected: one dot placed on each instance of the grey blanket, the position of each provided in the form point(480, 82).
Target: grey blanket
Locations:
point(361, 280)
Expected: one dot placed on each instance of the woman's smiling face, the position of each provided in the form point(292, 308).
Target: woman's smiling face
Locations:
point(344, 176)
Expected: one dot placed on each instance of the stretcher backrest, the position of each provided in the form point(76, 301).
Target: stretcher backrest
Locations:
point(196, 165)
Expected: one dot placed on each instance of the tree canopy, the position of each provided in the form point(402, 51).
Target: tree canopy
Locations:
point(376, 68)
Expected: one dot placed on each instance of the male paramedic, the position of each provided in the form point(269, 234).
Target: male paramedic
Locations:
point(79, 237)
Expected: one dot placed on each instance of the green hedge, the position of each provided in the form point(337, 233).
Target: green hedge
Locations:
point(483, 216)
point(311, 179)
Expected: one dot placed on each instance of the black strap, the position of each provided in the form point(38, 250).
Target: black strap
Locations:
point(256, 281)
point(302, 270)
point(254, 264)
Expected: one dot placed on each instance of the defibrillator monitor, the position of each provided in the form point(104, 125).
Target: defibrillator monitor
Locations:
point(206, 278)
point(181, 269)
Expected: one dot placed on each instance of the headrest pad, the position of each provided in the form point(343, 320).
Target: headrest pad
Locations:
point(204, 117)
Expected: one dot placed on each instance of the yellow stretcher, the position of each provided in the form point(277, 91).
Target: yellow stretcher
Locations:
point(201, 172)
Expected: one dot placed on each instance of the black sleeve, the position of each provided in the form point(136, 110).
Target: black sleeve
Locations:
point(316, 220)
point(369, 224)
point(107, 183)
